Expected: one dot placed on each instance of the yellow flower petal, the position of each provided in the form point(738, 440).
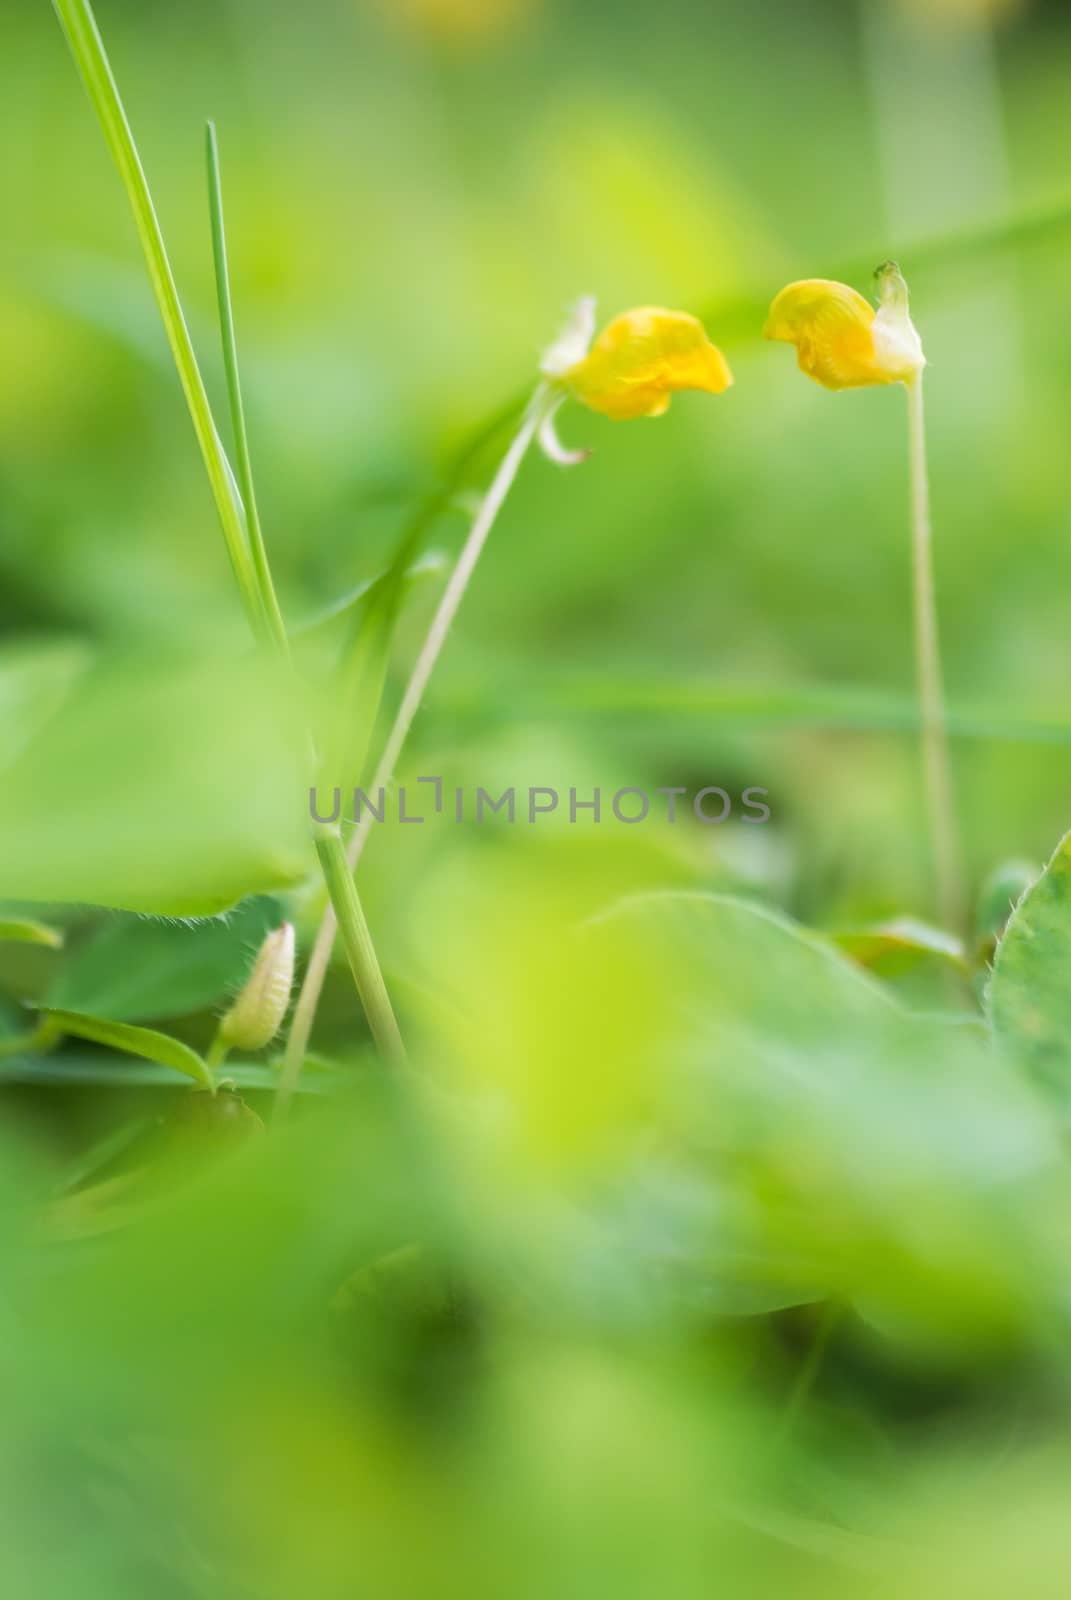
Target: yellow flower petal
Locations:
point(841, 341)
point(832, 327)
point(642, 359)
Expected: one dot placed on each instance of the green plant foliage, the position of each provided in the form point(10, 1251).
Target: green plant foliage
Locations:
point(162, 786)
point(689, 1252)
point(1029, 1000)
point(70, 1069)
point(135, 968)
point(145, 1042)
point(787, 1068)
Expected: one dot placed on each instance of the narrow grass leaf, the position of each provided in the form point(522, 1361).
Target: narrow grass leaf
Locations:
point(261, 567)
point(80, 27)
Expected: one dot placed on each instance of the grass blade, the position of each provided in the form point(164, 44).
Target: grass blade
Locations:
point(79, 25)
point(268, 599)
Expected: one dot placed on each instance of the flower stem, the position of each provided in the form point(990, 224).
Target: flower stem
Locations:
point(449, 605)
point(360, 950)
point(944, 838)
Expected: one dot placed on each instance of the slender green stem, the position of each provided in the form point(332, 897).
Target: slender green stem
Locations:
point(79, 25)
point(316, 971)
point(359, 947)
point(268, 600)
point(218, 1051)
point(450, 604)
point(936, 765)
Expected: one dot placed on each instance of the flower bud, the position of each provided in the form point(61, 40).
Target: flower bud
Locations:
point(255, 1017)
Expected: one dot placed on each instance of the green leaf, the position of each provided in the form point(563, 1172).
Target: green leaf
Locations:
point(1029, 995)
point(135, 968)
point(13, 1029)
point(144, 1042)
point(168, 786)
point(25, 932)
point(850, 1147)
point(269, 602)
point(430, 565)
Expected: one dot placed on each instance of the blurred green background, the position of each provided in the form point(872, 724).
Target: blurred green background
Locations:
point(552, 1322)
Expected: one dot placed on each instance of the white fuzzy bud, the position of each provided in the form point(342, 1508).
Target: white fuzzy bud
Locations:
point(255, 1017)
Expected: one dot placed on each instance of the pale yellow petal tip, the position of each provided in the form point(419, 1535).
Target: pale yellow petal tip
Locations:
point(642, 359)
point(841, 341)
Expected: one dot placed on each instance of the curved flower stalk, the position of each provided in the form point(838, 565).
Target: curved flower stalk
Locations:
point(633, 369)
point(843, 342)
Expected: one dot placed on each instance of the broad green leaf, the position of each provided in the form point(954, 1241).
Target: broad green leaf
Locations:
point(1029, 994)
point(145, 1042)
point(22, 931)
point(135, 968)
point(160, 785)
point(850, 1147)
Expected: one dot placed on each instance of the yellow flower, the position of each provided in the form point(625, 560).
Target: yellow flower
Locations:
point(639, 362)
point(842, 342)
